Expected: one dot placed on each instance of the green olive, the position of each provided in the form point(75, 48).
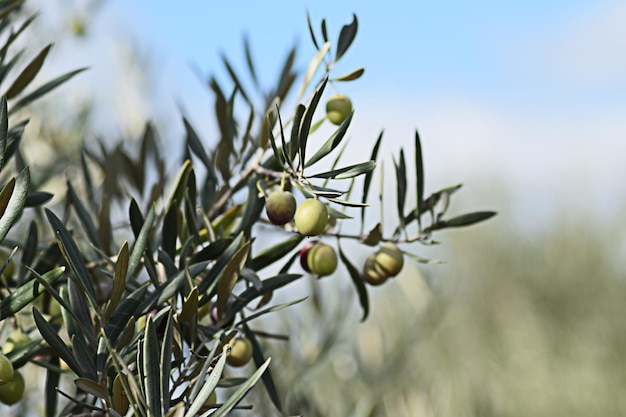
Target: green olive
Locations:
point(280, 207)
point(373, 274)
point(311, 217)
point(321, 259)
point(338, 108)
point(240, 351)
point(16, 340)
point(6, 370)
point(390, 259)
point(12, 392)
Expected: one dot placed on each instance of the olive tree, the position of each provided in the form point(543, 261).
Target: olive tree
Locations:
point(139, 290)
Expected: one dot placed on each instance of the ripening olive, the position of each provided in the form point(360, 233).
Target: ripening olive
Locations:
point(390, 259)
point(373, 274)
point(6, 370)
point(280, 207)
point(311, 217)
point(338, 108)
point(240, 351)
point(321, 259)
point(12, 392)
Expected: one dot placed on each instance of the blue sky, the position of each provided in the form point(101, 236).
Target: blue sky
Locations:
point(525, 98)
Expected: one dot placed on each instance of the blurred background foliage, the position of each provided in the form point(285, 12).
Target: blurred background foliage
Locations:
point(514, 323)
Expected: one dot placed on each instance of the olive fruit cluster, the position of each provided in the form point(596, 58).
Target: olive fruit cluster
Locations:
point(338, 108)
point(311, 215)
point(318, 258)
point(387, 262)
point(11, 382)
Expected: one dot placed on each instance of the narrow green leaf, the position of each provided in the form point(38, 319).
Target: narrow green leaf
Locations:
point(275, 253)
point(30, 249)
point(56, 343)
point(52, 382)
point(463, 220)
point(194, 143)
point(37, 198)
point(253, 209)
point(84, 357)
point(5, 195)
point(166, 362)
point(278, 153)
point(208, 387)
point(15, 205)
point(286, 78)
point(306, 122)
point(308, 21)
point(401, 186)
point(206, 369)
point(26, 293)
point(249, 294)
point(419, 173)
point(79, 309)
point(269, 310)
point(375, 235)
point(250, 62)
point(119, 279)
point(351, 76)
point(347, 203)
point(324, 191)
point(315, 63)
point(190, 306)
point(4, 130)
point(141, 243)
point(333, 212)
point(234, 77)
point(284, 150)
point(333, 141)
point(346, 36)
point(169, 231)
point(438, 198)
point(294, 142)
point(28, 74)
point(83, 215)
point(73, 323)
point(263, 372)
point(229, 278)
point(14, 35)
point(49, 86)
point(72, 255)
point(124, 311)
point(347, 172)
point(422, 260)
point(181, 184)
point(151, 372)
point(92, 387)
point(358, 283)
